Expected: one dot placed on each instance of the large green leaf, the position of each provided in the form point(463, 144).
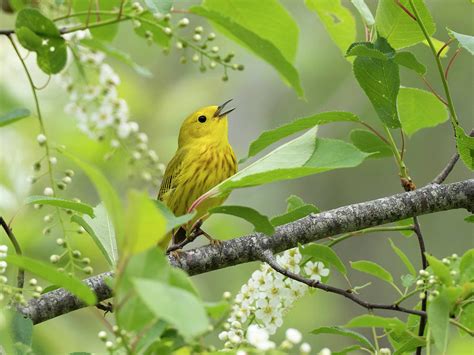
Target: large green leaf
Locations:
point(344, 332)
point(467, 316)
point(257, 44)
point(466, 266)
point(294, 214)
point(51, 274)
point(21, 329)
point(178, 307)
point(14, 116)
point(369, 320)
point(368, 142)
point(38, 33)
point(111, 51)
point(465, 41)
point(160, 6)
point(408, 60)
point(397, 27)
point(325, 254)
point(337, 19)
point(106, 193)
point(403, 258)
point(440, 270)
point(80, 207)
point(302, 156)
point(268, 19)
point(465, 145)
point(259, 221)
point(438, 321)
point(374, 269)
point(145, 226)
point(102, 232)
point(269, 137)
point(413, 119)
point(380, 80)
point(172, 221)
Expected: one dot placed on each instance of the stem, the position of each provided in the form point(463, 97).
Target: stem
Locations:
point(21, 273)
point(424, 262)
point(398, 157)
point(367, 231)
point(451, 61)
point(408, 295)
point(374, 131)
point(447, 92)
point(461, 326)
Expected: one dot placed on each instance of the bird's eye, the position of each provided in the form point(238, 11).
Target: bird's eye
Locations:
point(202, 119)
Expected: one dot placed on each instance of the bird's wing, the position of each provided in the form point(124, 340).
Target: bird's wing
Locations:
point(171, 173)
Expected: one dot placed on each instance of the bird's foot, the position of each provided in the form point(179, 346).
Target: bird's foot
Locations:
point(212, 241)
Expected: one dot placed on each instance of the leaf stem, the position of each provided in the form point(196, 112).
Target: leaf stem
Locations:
point(367, 231)
point(462, 326)
point(398, 157)
point(452, 111)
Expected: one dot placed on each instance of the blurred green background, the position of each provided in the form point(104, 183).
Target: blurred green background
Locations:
point(263, 101)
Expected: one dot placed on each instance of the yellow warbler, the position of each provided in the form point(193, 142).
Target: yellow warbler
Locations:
point(203, 159)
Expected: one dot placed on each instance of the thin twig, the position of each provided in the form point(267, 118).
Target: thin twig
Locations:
point(374, 131)
point(433, 91)
point(402, 153)
point(424, 263)
point(451, 61)
point(268, 257)
point(21, 273)
point(405, 9)
point(444, 46)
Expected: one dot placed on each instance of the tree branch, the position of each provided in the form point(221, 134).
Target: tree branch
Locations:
point(429, 199)
point(268, 257)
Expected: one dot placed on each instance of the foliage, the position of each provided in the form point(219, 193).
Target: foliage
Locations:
point(157, 308)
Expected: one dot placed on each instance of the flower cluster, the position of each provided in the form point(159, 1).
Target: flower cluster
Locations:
point(3, 255)
point(268, 296)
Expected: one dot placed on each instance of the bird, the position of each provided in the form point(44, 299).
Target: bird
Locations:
point(203, 159)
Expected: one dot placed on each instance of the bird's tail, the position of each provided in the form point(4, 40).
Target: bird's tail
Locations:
point(178, 237)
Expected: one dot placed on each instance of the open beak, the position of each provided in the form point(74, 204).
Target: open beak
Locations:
point(219, 112)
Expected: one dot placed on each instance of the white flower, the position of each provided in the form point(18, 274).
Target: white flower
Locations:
point(305, 348)
point(258, 337)
point(316, 270)
point(241, 352)
point(41, 139)
point(385, 351)
point(266, 308)
point(123, 130)
point(293, 335)
point(48, 191)
point(325, 351)
point(134, 126)
point(103, 118)
point(108, 76)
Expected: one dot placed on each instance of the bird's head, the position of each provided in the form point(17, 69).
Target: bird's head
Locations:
point(208, 123)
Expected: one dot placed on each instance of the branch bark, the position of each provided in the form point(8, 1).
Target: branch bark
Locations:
point(429, 199)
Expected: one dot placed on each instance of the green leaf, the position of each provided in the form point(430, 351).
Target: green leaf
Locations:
point(467, 316)
point(132, 314)
point(440, 270)
point(151, 336)
point(171, 220)
point(80, 207)
point(337, 20)
point(145, 225)
point(267, 19)
point(180, 308)
point(408, 60)
point(51, 274)
point(406, 222)
point(269, 137)
point(413, 119)
point(294, 215)
point(106, 193)
point(380, 81)
point(178, 278)
point(160, 6)
point(399, 28)
point(258, 45)
point(369, 320)
point(466, 266)
point(14, 116)
point(469, 219)
point(465, 41)
point(293, 202)
point(364, 12)
point(369, 267)
point(465, 145)
point(403, 258)
point(438, 321)
point(111, 51)
point(21, 329)
point(347, 350)
point(302, 156)
point(368, 142)
point(217, 310)
point(325, 254)
point(365, 49)
point(410, 345)
point(408, 280)
point(106, 33)
point(259, 221)
point(38, 33)
point(102, 232)
point(150, 24)
point(345, 332)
